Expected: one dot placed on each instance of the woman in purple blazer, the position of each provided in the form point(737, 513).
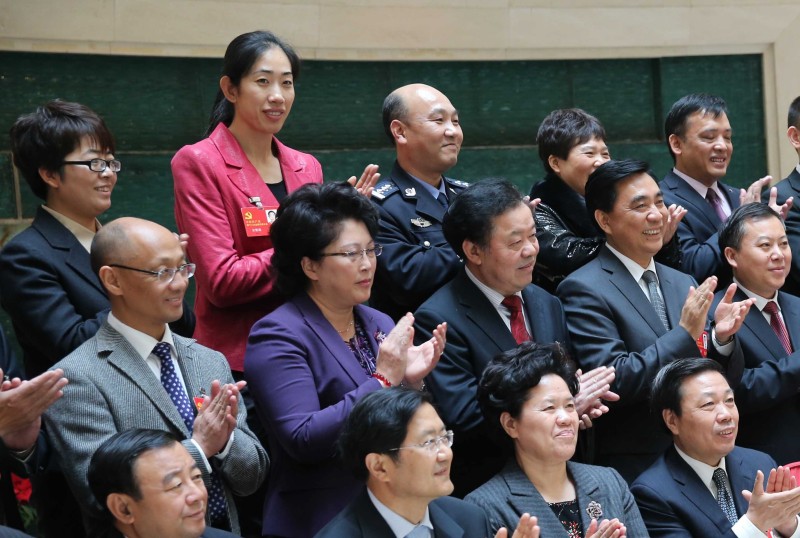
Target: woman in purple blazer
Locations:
point(309, 361)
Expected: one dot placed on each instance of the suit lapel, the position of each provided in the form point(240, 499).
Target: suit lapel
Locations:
point(695, 203)
point(483, 314)
point(425, 203)
point(539, 320)
point(589, 491)
point(741, 478)
point(120, 354)
point(369, 519)
point(443, 525)
point(623, 281)
point(790, 309)
point(756, 323)
point(672, 299)
point(524, 497)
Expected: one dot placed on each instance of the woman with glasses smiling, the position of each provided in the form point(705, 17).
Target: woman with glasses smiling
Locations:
point(528, 394)
point(308, 362)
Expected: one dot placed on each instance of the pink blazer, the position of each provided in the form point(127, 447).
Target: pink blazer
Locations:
point(235, 279)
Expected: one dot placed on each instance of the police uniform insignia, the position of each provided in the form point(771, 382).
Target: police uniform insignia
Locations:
point(458, 183)
point(420, 222)
point(411, 191)
point(384, 189)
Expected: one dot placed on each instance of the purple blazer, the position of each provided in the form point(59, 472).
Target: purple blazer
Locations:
point(305, 380)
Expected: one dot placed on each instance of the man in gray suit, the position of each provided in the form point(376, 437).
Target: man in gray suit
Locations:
point(135, 373)
point(625, 310)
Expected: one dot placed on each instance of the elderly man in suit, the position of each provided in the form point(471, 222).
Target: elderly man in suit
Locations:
point(704, 485)
point(698, 136)
point(424, 128)
point(395, 441)
point(625, 310)
point(790, 188)
point(754, 242)
point(135, 373)
point(490, 307)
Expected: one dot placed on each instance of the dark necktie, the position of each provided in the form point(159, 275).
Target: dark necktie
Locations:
point(777, 325)
point(217, 507)
point(442, 199)
point(518, 329)
point(724, 496)
point(716, 204)
point(649, 278)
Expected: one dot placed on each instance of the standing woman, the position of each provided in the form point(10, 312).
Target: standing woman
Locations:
point(226, 184)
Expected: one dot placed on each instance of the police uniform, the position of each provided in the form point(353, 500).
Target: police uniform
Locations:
point(416, 259)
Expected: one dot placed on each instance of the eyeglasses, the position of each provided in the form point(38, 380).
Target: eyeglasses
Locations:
point(164, 276)
point(356, 255)
point(99, 165)
point(432, 445)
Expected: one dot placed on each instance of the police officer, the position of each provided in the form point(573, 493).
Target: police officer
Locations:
point(424, 128)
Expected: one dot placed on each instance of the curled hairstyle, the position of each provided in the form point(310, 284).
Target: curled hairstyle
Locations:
point(732, 230)
point(310, 219)
point(240, 56)
point(601, 187)
point(562, 130)
point(377, 424)
point(666, 392)
point(471, 214)
point(508, 378)
point(794, 113)
point(686, 106)
point(42, 139)
point(111, 469)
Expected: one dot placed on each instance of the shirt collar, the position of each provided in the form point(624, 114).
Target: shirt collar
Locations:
point(761, 302)
point(494, 296)
point(633, 268)
point(703, 470)
point(433, 191)
point(400, 526)
point(82, 234)
point(701, 189)
point(797, 168)
point(141, 342)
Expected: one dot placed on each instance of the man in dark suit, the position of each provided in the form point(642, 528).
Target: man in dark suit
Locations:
point(698, 136)
point(395, 442)
point(625, 310)
point(704, 485)
point(490, 306)
point(790, 188)
point(135, 373)
point(755, 244)
point(416, 261)
point(149, 486)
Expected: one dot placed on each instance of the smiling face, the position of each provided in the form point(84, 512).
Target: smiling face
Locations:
point(264, 97)
point(547, 427)
point(506, 262)
point(428, 138)
point(581, 161)
point(172, 499)
point(707, 427)
point(77, 192)
point(762, 261)
point(635, 225)
point(704, 151)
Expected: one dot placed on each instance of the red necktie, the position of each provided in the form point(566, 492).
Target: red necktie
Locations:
point(777, 325)
point(518, 329)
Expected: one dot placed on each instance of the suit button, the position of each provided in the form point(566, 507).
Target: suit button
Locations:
point(426, 244)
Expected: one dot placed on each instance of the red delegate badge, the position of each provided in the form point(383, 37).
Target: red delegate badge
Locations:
point(258, 220)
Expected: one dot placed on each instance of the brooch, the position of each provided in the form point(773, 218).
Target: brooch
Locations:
point(594, 510)
point(380, 336)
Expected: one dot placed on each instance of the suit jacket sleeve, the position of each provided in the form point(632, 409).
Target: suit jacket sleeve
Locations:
point(659, 517)
point(701, 259)
point(286, 391)
point(35, 299)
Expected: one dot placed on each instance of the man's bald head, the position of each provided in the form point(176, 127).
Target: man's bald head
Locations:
point(114, 242)
point(395, 106)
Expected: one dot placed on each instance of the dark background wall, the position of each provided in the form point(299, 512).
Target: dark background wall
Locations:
point(155, 105)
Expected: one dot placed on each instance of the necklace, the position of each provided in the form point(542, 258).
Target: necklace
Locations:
point(346, 329)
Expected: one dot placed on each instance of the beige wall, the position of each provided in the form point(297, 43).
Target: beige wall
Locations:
point(432, 30)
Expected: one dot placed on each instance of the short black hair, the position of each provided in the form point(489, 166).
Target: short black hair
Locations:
point(471, 214)
point(241, 54)
point(111, 469)
point(394, 108)
point(794, 113)
point(378, 423)
point(43, 138)
point(310, 219)
point(601, 187)
point(685, 107)
point(732, 230)
point(508, 378)
point(666, 389)
point(562, 130)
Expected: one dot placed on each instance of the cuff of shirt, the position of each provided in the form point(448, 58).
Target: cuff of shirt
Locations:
point(744, 528)
point(723, 349)
point(224, 452)
point(205, 460)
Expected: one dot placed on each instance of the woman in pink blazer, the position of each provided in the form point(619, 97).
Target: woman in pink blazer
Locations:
point(228, 185)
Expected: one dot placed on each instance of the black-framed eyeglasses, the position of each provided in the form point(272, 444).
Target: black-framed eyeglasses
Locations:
point(164, 276)
point(99, 165)
point(432, 445)
point(356, 255)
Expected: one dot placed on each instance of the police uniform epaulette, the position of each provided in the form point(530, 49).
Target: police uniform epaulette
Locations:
point(384, 189)
point(458, 183)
